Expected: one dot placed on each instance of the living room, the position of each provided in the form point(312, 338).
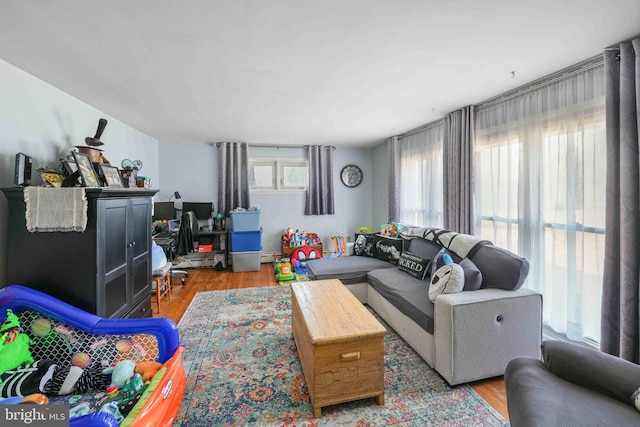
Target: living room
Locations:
point(43, 119)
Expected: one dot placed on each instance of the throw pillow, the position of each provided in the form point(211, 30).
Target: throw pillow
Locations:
point(414, 265)
point(388, 249)
point(448, 279)
point(636, 399)
point(365, 245)
point(472, 275)
point(440, 259)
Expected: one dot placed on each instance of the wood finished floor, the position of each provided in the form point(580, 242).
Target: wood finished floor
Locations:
point(207, 279)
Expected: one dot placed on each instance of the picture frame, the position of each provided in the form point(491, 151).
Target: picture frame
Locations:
point(85, 167)
point(52, 177)
point(70, 166)
point(111, 176)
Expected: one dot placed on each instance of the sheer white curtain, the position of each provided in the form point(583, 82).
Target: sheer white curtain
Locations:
point(540, 192)
point(421, 177)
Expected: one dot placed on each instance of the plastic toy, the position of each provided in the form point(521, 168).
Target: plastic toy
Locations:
point(303, 254)
point(157, 407)
point(339, 247)
point(283, 270)
point(14, 344)
point(147, 369)
point(121, 372)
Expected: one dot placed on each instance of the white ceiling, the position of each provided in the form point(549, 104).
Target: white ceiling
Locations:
point(298, 72)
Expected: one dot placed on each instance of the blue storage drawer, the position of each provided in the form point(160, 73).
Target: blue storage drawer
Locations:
point(246, 241)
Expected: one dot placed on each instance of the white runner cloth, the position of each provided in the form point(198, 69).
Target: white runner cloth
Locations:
point(51, 209)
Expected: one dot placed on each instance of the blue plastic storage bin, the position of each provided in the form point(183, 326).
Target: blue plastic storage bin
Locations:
point(246, 241)
point(245, 220)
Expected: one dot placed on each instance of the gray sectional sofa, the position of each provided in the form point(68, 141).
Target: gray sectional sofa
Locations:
point(465, 336)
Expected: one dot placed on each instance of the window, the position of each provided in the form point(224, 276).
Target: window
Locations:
point(540, 192)
point(421, 175)
point(278, 175)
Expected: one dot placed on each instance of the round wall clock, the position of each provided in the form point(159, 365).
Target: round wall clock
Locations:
point(351, 176)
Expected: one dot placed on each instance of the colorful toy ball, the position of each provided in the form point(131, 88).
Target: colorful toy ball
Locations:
point(81, 360)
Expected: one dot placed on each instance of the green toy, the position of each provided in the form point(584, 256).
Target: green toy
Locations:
point(14, 344)
point(121, 372)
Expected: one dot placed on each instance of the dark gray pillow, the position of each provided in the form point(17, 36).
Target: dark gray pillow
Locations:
point(500, 268)
point(414, 265)
point(388, 248)
point(472, 275)
point(365, 245)
point(423, 248)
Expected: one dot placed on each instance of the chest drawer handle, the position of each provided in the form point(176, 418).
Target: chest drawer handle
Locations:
point(348, 357)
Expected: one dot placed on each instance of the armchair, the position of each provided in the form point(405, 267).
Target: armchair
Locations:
point(573, 386)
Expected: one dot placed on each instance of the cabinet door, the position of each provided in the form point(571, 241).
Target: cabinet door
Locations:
point(141, 232)
point(114, 242)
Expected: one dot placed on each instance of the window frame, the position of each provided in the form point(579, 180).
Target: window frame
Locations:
point(279, 168)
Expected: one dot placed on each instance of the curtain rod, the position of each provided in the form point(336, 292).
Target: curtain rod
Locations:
point(536, 84)
point(217, 144)
point(578, 68)
point(422, 128)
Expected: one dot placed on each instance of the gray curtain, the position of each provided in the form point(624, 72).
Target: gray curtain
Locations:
point(233, 176)
point(394, 178)
point(319, 199)
point(459, 145)
point(621, 282)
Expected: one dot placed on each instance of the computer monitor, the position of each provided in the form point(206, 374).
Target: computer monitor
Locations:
point(163, 211)
point(203, 210)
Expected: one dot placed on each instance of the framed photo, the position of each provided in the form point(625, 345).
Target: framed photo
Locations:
point(111, 176)
point(88, 174)
point(52, 177)
point(70, 166)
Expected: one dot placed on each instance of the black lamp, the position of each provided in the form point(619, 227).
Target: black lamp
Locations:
point(176, 195)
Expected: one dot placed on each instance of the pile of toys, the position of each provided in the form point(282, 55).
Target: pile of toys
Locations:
point(297, 238)
point(391, 229)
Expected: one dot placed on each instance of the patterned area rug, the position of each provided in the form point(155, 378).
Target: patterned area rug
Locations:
point(243, 368)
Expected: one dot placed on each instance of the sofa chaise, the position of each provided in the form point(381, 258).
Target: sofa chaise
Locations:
point(572, 386)
point(465, 336)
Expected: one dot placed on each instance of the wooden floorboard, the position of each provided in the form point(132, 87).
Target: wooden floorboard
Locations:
point(207, 279)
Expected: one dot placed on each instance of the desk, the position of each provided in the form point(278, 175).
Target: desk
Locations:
point(219, 240)
point(169, 243)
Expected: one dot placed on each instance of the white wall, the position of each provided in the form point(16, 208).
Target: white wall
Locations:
point(45, 123)
point(192, 169)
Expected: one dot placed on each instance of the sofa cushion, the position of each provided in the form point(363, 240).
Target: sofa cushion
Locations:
point(406, 293)
point(365, 245)
point(448, 279)
point(472, 275)
point(500, 268)
point(349, 269)
point(388, 248)
point(592, 369)
point(423, 248)
point(537, 397)
point(414, 265)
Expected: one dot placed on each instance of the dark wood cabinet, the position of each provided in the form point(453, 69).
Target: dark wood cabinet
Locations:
point(105, 270)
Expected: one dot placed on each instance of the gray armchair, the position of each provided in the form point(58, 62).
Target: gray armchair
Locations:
point(572, 386)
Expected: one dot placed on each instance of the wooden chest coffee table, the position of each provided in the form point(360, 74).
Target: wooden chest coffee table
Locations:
point(341, 344)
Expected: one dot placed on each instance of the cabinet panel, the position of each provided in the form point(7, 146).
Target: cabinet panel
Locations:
point(114, 231)
point(98, 270)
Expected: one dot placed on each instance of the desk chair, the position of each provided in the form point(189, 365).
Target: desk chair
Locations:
point(188, 228)
point(162, 283)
